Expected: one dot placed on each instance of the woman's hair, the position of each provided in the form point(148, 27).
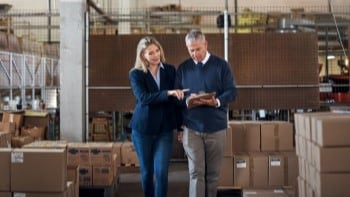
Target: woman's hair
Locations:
point(193, 35)
point(140, 62)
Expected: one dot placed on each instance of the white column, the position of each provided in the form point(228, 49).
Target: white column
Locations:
point(72, 63)
point(124, 8)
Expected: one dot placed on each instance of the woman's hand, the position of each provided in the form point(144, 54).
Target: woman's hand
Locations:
point(179, 94)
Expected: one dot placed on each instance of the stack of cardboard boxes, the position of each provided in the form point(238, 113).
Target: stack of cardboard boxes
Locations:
point(323, 147)
point(259, 155)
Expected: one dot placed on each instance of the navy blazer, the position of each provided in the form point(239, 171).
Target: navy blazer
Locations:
point(154, 111)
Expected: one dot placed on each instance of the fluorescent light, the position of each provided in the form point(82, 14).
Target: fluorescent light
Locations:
point(330, 57)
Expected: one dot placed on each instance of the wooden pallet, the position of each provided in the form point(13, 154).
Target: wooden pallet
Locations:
point(229, 191)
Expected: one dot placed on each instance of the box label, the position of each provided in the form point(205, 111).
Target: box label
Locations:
point(17, 157)
point(275, 162)
point(241, 164)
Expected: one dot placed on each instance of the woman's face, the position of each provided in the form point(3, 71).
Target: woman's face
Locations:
point(152, 54)
point(197, 49)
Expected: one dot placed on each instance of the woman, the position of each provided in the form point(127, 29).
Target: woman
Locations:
point(155, 115)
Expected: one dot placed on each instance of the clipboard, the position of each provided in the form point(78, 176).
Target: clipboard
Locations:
point(200, 96)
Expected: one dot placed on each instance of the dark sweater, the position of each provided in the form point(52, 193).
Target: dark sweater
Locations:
point(214, 76)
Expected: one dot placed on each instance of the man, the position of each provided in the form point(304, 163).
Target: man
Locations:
point(205, 117)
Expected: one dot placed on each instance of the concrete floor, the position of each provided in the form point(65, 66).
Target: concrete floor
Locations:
point(129, 183)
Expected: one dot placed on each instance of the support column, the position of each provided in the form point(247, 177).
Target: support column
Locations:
point(72, 65)
point(124, 7)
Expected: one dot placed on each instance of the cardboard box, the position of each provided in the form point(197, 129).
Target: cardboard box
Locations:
point(259, 170)
point(19, 141)
point(332, 184)
point(17, 119)
point(101, 153)
point(71, 189)
point(102, 175)
point(117, 147)
point(276, 170)
point(8, 127)
point(228, 142)
point(241, 170)
point(38, 133)
point(226, 173)
point(245, 136)
point(78, 154)
point(332, 159)
point(5, 169)
point(85, 175)
point(333, 131)
point(129, 156)
point(301, 187)
point(291, 161)
point(276, 136)
point(5, 139)
point(38, 170)
point(47, 144)
point(73, 176)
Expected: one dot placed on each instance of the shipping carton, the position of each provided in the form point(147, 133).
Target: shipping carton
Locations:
point(38, 170)
point(259, 170)
point(277, 136)
point(5, 169)
point(226, 172)
point(241, 170)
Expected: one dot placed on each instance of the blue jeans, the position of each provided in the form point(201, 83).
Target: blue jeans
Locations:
point(154, 152)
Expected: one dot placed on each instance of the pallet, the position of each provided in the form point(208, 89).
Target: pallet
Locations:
point(99, 191)
point(229, 191)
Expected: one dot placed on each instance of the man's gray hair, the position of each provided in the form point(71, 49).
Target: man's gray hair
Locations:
point(193, 35)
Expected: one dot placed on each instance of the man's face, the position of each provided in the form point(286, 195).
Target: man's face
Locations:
point(197, 49)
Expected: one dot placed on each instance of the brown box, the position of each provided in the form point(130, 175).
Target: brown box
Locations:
point(276, 136)
point(71, 189)
point(291, 161)
point(129, 156)
point(102, 175)
point(78, 154)
point(276, 170)
point(73, 176)
point(333, 131)
point(228, 142)
point(332, 184)
point(5, 139)
point(47, 144)
point(245, 136)
point(85, 175)
point(38, 133)
point(101, 153)
point(5, 169)
point(19, 141)
point(38, 170)
point(259, 170)
point(17, 119)
point(301, 187)
point(117, 147)
point(241, 170)
point(8, 127)
point(332, 159)
point(226, 173)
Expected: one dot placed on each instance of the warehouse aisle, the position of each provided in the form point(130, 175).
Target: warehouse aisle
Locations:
point(130, 186)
